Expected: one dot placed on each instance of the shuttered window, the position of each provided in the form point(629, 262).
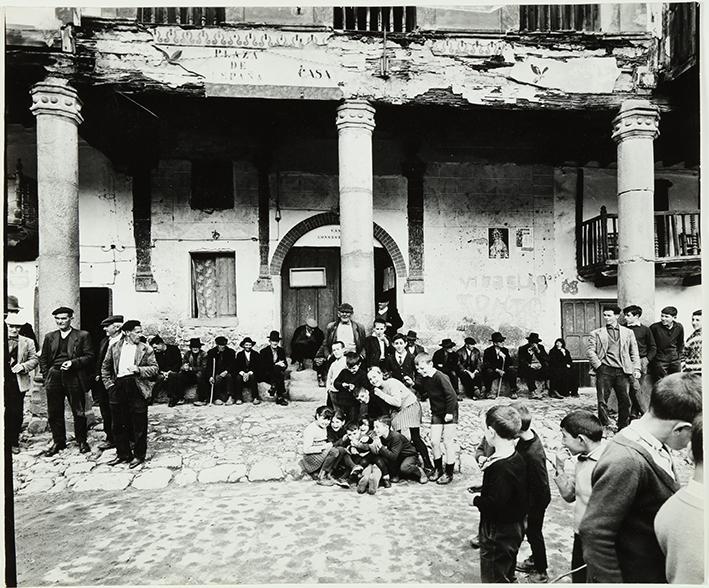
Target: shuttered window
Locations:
point(213, 285)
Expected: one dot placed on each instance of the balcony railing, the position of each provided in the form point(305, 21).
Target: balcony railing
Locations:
point(182, 16)
point(558, 17)
point(392, 19)
point(677, 240)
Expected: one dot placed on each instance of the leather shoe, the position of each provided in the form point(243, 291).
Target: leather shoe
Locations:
point(115, 461)
point(444, 479)
point(54, 449)
point(434, 475)
point(135, 462)
point(84, 447)
point(556, 395)
point(386, 483)
point(172, 403)
point(106, 445)
point(257, 401)
point(423, 478)
point(475, 542)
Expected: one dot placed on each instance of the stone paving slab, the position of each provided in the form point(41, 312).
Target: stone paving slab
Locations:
point(235, 444)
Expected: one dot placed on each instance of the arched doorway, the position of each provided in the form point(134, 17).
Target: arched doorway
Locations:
point(308, 261)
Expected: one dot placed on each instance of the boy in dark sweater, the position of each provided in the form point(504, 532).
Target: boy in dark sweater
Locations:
point(399, 455)
point(530, 447)
point(348, 383)
point(435, 385)
point(502, 501)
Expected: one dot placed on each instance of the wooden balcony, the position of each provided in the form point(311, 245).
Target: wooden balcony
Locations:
point(391, 19)
point(678, 246)
point(199, 17)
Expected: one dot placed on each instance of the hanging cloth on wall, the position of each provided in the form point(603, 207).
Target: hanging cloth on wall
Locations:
point(204, 286)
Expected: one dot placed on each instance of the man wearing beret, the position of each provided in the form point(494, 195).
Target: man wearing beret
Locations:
point(247, 371)
point(669, 340)
point(112, 327)
point(66, 363)
point(219, 374)
point(169, 361)
point(126, 371)
point(344, 329)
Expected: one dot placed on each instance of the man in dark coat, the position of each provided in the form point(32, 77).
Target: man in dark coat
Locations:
point(273, 367)
point(112, 327)
point(219, 373)
point(497, 364)
point(194, 368)
point(376, 346)
point(66, 363)
point(470, 366)
point(344, 329)
point(305, 342)
point(390, 316)
point(169, 361)
point(12, 305)
point(400, 363)
point(412, 346)
point(446, 360)
point(533, 364)
point(247, 370)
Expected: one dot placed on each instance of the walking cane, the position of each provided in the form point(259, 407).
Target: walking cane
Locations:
point(214, 371)
point(499, 384)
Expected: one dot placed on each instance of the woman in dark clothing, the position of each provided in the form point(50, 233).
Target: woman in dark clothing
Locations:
point(560, 372)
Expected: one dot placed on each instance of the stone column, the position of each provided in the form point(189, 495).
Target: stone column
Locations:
point(355, 123)
point(58, 110)
point(634, 130)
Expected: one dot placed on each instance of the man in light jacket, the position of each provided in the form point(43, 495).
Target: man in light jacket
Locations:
point(613, 353)
point(126, 372)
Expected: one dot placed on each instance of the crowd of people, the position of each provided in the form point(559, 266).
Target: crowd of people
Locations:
point(629, 519)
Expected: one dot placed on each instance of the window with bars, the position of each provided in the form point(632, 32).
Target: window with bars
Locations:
point(182, 16)
point(392, 19)
point(213, 285)
point(559, 17)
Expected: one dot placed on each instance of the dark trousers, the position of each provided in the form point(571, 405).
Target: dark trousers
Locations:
point(190, 379)
point(345, 402)
point(172, 384)
point(420, 447)
point(577, 561)
point(130, 418)
point(251, 385)
point(531, 377)
point(223, 388)
point(490, 377)
point(607, 379)
point(535, 521)
point(62, 384)
point(100, 396)
point(344, 463)
point(277, 378)
point(406, 468)
point(453, 377)
point(14, 409)
point(469, 383)
point(661, 368)
point(499, 544)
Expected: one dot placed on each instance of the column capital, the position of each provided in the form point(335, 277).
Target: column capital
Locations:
point(355, 114)
point(636, 118)
point(55, 97)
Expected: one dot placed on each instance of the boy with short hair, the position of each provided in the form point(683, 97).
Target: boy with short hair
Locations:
point(582, 436)
point(348, 382)
point(530, 447)
point(502, 501)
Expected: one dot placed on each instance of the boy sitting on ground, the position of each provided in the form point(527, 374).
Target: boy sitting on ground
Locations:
point(397, 452)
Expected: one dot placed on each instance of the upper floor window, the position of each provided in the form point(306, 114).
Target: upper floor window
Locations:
point(559, 17)
point(182, 16)
point(212, 184)
point(392, 19)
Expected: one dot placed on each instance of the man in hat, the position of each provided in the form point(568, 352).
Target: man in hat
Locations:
point(497, 364)
point(22, 360)
point(470, 368)
point(533, 363)
point(390, 316)
point(194, 369)
point(377, 346)
point(12, 306)
point(66, 364)
point(446, 360)
point(273, 367)
point(305, 342)
point(127, 371)
point(112, 327)
point(411, 346)
point(169, 361)
point(219, 374)
point(669, 340)
point(344, 329)
point(248, 369)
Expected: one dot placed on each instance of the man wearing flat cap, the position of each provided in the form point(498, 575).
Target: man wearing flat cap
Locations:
point(273, 367)
point(470, 368)
point(112, 327)
point(219, 374)
point(497, 364)
point(306, 341)
point(533, 364)
point(66, 363)
point(247, 371)
point(344, 329)
point(669, 339)
point(127, 371)
point(169, 361)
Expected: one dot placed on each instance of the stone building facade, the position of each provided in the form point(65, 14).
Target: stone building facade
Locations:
point(240, 175)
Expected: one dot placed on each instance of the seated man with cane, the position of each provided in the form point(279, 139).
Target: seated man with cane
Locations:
point(497, 366)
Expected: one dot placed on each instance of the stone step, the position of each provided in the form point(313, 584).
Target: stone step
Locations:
point(304, 376)
point(302, 393)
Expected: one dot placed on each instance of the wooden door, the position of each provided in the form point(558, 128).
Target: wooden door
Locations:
point(298, 304)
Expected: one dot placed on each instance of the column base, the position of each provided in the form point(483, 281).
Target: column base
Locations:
point(145, 283)
point(263, 284)
point(414, 285)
